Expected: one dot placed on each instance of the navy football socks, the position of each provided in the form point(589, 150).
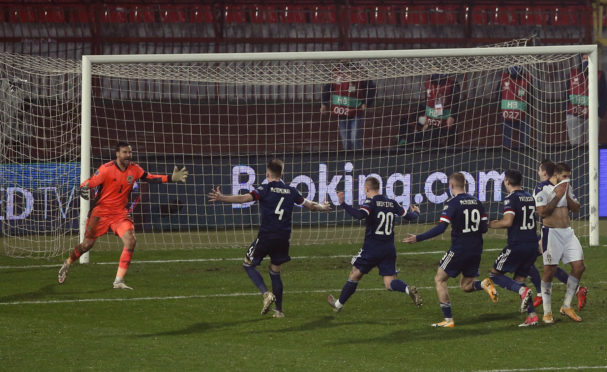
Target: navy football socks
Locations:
point(398, 285)
point(505, 282)
point(256, 278)
point(446, 308)
point(534, 275)
point(277, 288)
point(347, 291)
point(561, 275)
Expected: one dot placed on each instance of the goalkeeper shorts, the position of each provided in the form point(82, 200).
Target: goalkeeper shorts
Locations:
point(98, 224)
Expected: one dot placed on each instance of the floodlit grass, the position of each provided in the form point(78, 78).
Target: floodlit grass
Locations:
point(203, 314)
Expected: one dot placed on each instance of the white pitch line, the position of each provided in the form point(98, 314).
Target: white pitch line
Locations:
point(544, 369)
point(223, 259)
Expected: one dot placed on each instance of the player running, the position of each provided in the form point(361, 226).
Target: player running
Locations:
point(545, 172)
point(109, 207)
point(521, 251)
point(378, 248)
point(276, 201)
point(558, 239)
point(468, 221)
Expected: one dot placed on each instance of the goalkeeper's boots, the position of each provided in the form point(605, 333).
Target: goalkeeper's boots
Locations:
point(531, 320)
point(278, 314)
point(121, 285)
point(65, 268)
point(526, 299)
point(571, 314)
point(548, 319)
point(415, 296)
point(331, 300)
point(581, 297)
point(444, 324)
point(268, 300)
point(537, 301)
point(488, 286)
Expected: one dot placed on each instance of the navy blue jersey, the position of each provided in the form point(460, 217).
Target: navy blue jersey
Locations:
point(522, 205)
point(538, 188)
point(276, 201)
point(468, 220)
point(381, 213)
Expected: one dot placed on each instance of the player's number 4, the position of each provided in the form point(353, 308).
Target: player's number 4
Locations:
point(279, 211)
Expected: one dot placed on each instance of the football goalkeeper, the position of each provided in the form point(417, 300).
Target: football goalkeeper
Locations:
point(108, 209)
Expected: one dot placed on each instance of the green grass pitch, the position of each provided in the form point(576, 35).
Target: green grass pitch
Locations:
point(202, 314)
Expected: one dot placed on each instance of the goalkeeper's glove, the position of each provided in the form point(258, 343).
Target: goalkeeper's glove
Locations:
point(179, 175)
point(85, 192)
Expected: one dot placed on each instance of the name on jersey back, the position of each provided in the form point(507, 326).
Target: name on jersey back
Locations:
point(280, 190)
point(468, 202)
point(526, 198)
point(384, 204)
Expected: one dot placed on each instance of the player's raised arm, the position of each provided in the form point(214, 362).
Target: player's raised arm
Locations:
point(314, 206)
point(178, 175)
point(359, 214)
point(216, 195)
point(411, 214)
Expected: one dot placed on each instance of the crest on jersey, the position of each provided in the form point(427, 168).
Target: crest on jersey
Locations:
point(260, 188)
point(539, 198)
point(507, 201)
point(129, 180)
point(445, 207)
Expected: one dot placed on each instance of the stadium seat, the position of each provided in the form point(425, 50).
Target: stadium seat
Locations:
point(444, 15)
point(478, 15)
point(201, 14)
point(115, 15)
point(22, 15)
point(570, 16)
point(294, 14)
point(51, 15)
point(142, 14)
point(537, 15)
point(414, 15)
point(358, 15)
point(173, 14)
point(77, 14)
point(323, 14)
point(383, 15)
point(234, 14)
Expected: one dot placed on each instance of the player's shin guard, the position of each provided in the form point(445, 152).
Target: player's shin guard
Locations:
point(255, 277)
point(535, 278)
point(572, 285)
point(277, 288)
point(561, 275)
point(505, 282)
point(547, 297)
point(347, 291)
point(398, 285)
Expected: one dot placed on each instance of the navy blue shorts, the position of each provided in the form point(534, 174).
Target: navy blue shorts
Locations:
point(456, 262)
point(277, 249)
point(383, 257)
point(516, 259)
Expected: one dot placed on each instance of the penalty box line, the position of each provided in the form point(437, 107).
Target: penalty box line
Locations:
point(224, 259)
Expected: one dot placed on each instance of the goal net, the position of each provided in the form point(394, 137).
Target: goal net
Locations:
point(409, 118)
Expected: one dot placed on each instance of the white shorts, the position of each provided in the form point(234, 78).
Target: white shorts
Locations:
point(560, 244)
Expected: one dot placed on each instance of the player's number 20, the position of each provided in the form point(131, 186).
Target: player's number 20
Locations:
point(386, 223)
point(474, 216)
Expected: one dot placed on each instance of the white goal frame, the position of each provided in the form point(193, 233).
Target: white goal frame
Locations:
point(591, 50)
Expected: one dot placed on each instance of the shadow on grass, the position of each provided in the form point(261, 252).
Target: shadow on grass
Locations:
point(198, 328)
point(48, 290)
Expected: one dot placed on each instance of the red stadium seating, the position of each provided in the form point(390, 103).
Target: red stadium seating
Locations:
point(77, 14)
point(294, 14)
point(51, 15)
point(142, 14)
point(444, 15)
point(25, 15)
point(358, 15)
point(414, 15)
point(383, 15)
point(234, 14)
point(115, 15)
point(201, 14)
point(323, 14)
point(173, 14)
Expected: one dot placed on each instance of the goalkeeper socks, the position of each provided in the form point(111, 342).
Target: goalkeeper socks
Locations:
point(277, 288)
point(505, 282)
point(347, 291)
point(75, 255)
point(446, 308)
point(561, 275)
point(255, 278)
point(125, 258)
point(534, 275)
point(547, 297)
point(399, 285)
point(572, 285)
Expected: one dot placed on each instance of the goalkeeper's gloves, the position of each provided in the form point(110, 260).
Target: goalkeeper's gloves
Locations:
point(85, 192)
point(179, 175)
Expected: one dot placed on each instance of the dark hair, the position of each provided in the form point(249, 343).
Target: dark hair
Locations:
point(276, 166)
point(458, 179)
point(514, 177)
point(372, 182)
point(562, 167)
point(120, 145)
point(547, 166)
